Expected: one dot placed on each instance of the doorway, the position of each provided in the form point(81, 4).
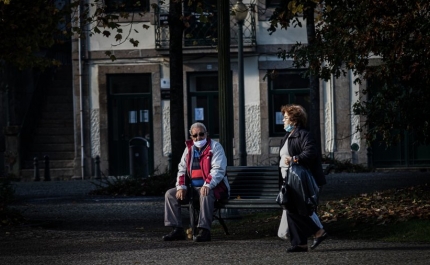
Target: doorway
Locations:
point(129, 116)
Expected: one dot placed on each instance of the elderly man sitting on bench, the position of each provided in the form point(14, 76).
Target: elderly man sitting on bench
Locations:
point(201, 171)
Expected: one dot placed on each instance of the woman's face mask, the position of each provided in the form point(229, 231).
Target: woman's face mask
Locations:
point(289, 127)
point(287, 124)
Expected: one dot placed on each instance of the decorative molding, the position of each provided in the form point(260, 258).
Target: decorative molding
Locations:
point(167, 135)
point(95, 132)
point(252, 130)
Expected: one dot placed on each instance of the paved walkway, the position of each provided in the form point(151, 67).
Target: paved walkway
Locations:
point(68, 226)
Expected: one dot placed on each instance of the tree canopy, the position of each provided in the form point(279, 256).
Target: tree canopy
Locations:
point(384, 43)
point(26, 27)
point(29, 27)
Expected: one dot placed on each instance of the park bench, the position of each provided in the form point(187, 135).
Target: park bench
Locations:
point(254, 187)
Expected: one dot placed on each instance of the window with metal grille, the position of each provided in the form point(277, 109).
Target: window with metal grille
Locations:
point(127, 5)
point(201, 17)
point(286, 87)
point(203, 100)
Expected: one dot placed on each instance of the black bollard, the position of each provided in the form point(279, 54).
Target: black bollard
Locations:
point(169, 159)
point(47, 176)
point(36, 169)
point(369, 157)
point(97, 169)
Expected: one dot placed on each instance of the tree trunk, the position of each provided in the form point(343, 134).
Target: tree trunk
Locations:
point(314, 113)
point(224, 80)
point(177, 127)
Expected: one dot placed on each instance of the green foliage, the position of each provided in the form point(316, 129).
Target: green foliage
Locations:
point(378, 41)
point(28, 28)
point(134, 186)
point(7, 192)
point(289, 13)
point(340, 166)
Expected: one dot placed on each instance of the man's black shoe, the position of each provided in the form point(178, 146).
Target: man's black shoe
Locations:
point(203, 236)
point(177, 233)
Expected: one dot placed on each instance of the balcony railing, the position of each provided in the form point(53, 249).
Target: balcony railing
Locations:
point(202, 30)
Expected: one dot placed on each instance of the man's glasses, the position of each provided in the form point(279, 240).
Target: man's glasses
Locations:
point(199, 134)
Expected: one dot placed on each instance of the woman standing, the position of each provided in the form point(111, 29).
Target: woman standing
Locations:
point(298, 146)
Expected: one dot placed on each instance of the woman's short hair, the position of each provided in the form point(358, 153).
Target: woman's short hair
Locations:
point(296, 113)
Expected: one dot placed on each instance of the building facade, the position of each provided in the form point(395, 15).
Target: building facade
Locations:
point(116, 101)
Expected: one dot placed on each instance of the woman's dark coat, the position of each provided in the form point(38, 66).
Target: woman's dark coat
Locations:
point(302, 145)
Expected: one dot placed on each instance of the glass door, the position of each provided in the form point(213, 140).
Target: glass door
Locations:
point(130, 116)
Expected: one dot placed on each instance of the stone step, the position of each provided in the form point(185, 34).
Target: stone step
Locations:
point(29, 164)
point(55, 174)
point(60, 87)
point(58, 107)
point(53, 147)
point(54, 139)
point(63, 72)
point(54, 135)
point(48, 131)
point(63, 155)
point(57, 115)
point(59, 99)
point(55, 123)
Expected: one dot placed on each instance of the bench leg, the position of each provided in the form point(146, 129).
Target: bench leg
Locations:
point(221, 220)
point(194, 216)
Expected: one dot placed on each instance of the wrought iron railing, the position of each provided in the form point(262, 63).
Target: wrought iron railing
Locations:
point(202, 26)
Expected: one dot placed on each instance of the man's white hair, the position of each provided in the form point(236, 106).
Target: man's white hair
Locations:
point(198, 125)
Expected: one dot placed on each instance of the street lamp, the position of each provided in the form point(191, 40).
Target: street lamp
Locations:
point(240, 12)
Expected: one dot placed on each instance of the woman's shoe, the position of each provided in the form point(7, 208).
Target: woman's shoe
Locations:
point(318, 240)
point(297, 249)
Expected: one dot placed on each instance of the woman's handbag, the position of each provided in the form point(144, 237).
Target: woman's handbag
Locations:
point(282, 198)
point(304, 188)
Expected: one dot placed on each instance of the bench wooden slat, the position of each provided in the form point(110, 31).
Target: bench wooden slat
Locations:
point(252, 201)
point(241, 193)
point(257, 195)
point(252, 206)
point(252, 187)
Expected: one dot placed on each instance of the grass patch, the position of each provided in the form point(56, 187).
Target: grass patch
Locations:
point(408, 231)
point(134, 186)
point(398, 215)
point(341, 166)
